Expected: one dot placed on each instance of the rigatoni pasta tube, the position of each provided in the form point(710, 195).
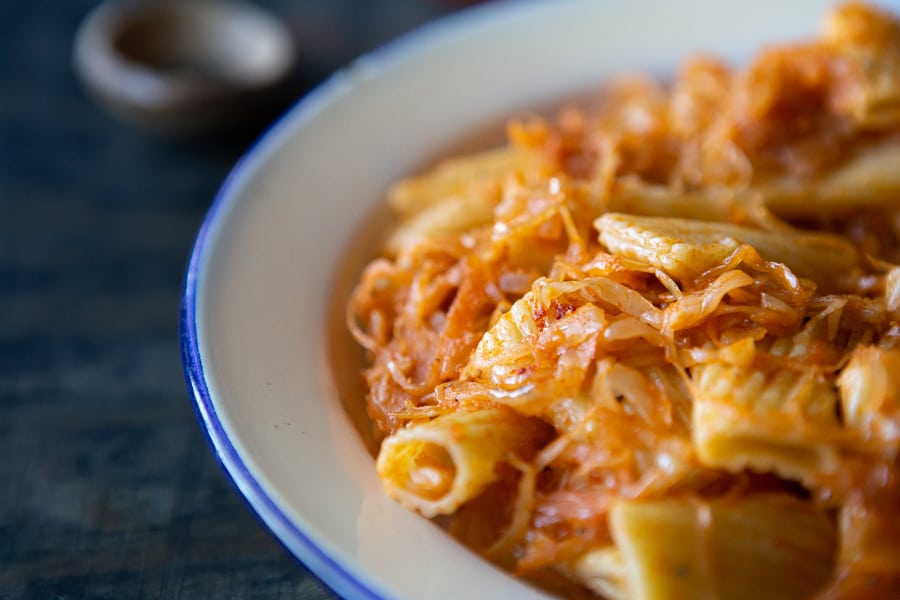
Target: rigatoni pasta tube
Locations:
point(691, 548)
point(765, 419)
point(457, 214)
point(461, 175)
point(435, 467)
point(685, 248)
point(868, 180)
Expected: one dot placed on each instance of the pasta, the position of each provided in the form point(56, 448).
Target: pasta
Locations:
point(436, 467)
point(719, 548)
point(650, 349)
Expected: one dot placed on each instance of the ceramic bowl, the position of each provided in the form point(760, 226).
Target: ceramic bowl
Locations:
point(269, 363)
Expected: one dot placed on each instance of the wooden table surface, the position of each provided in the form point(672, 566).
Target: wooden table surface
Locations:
point(107, 486)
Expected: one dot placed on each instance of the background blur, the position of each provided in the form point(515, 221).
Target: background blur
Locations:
point(107, 486)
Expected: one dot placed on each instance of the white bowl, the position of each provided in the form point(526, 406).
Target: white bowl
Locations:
point(272, 370)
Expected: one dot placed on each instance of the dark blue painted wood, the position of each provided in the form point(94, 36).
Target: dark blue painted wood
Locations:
point(107, 488)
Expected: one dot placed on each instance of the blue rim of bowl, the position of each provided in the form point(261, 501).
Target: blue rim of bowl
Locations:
point(323, 565)
point(319, 562)
point(329, 570)
point(306, 550)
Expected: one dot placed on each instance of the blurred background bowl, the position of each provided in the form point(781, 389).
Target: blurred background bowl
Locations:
point(185, 67)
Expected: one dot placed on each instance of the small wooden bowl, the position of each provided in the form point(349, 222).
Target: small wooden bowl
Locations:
point(184, 67)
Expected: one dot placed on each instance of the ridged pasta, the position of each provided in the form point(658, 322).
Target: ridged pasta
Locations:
point(687, 248)
point(742, 549)
point(435, 467)
point(772, 419)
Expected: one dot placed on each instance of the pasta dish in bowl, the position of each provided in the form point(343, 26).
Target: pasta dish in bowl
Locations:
point(650, 348)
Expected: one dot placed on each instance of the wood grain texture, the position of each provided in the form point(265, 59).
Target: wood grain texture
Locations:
point(109, 489)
